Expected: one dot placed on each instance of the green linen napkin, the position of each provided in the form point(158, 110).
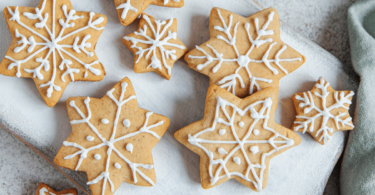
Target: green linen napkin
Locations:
point(358, 166)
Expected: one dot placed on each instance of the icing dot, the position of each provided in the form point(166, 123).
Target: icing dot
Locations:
point(118, 166)
point(254, 149)
point(290, 142)
point(222, 131)
point(237, 160)
point(129, 147)
point(222, 151)
point(256, 132)
point(105, 121)
point(97, 156)
point(241, 124)
point(90, 138)
point(126, 123)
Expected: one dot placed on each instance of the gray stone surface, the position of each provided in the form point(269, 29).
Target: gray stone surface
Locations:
point(21, 169)
point(322, 21)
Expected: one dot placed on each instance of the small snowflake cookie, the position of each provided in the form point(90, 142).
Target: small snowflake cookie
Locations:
point(156, 46)
point(237, 138)
point(322, 111)
point(112, 139)
point(54, 45)
point(44, 189)
point(129, 10)
point(244, 55)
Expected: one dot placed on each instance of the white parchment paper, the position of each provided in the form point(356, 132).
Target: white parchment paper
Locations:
point(301, 170)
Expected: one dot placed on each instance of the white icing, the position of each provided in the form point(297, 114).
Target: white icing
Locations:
point(129, 147)
point(243, 60)
point(126, 8)
point(43, 191)
point(241, 124)
point(156, 43)
point(97, 156)
point(256, 132)
point(237, 160)
point(105, 176)
point(222, 151)
point(262, 115)
point(254, 149)
point(105, 121)
point(126, 123)
point(222, 131)
point(52, 45)
point(307, 101)
point(167, 1)
point(90, 138)
point(117, 166)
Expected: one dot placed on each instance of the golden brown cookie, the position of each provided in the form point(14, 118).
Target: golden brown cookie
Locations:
point(244, 55)
point(43, 189)
point(237, 138)
point(54, 45)
point(112, 139)
point(156, 46)
point(322, 111)
point(129, 10)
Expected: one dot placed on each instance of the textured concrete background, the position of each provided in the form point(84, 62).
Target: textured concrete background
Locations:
point(322, 21)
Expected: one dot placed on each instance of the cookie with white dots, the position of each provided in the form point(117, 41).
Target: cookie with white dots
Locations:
point(237, 138)
point(112, 139)
point(44, 189)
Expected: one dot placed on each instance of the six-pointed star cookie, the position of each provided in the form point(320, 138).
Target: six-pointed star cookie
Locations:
point(54, 45)
point(156, 46)
point(244, 55)
point(44, 189)
point(112, 139)
point(129, 10)
point(322, 111)
point(237, 138)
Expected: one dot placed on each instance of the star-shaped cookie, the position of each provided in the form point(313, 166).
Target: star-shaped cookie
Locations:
point(44, 189)
point(322, 111)
point(156, 46)
point(237, 138)
point(54, 45)
point(129, 10)
point(244, 55)
point(112, 139)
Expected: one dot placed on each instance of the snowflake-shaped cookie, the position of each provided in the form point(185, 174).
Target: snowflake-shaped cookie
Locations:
point(54, 45)
point(44, 189)
point(129, 10)
point(322, 111)
point(112, 140)
point(244, 55)
point(237, 138)
point(156, 46)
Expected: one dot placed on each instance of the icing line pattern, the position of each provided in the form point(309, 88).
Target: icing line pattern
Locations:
point(262, 114)
point(243, 60)
point(83, 152)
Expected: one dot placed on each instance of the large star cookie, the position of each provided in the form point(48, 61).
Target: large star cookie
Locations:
point(322, 111)
point(237, 138)
point(156, 46)
point(54, 45)
point(244, 55)
point(112, 139)
point(44, 189)
point(129, 10)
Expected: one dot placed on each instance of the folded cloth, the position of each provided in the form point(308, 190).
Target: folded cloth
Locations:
point(358, 166)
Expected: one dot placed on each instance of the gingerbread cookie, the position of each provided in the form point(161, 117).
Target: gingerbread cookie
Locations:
point(112, 139)
point(322, 111)
point(237, 138)
point(44, 189)
point(54, 45)
point(244, 55)
point(129, 10)
point(156, 46)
